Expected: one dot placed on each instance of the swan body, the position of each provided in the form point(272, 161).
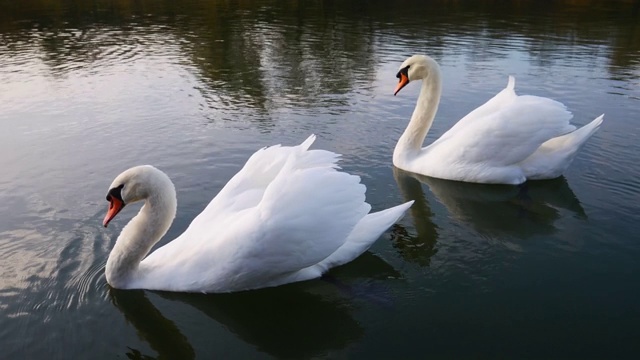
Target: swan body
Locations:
point(289, 215)
point(507, 140)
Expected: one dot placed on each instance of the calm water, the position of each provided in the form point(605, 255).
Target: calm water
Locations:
point(88, 89)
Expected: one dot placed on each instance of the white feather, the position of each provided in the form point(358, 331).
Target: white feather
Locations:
point(288, 215)
point(509, 139)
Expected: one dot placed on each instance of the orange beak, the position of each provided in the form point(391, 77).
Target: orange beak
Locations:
point(115, 205)
point(404, 80)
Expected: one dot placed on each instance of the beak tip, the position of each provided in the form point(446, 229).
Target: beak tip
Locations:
point(114, 208)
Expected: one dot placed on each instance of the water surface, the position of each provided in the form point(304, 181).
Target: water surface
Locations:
point(194, 87)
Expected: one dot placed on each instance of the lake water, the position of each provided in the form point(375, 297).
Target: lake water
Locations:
point(88, 89)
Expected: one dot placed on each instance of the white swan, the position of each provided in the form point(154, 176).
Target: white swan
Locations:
point(507, 140)
point(289, 215)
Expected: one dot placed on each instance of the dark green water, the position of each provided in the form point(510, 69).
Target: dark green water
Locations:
point(88, 89)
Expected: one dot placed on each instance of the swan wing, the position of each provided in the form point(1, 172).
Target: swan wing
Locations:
point(245, 189)
point(306, 214)
point(500, 100)
point(287, 209)
point(505, 132)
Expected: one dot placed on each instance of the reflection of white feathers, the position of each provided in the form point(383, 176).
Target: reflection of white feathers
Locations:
point(288, 215)
point(508, 140)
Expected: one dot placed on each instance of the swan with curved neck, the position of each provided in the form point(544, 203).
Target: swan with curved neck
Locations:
point(507, 140)
point(289, 215)
point(143, 183)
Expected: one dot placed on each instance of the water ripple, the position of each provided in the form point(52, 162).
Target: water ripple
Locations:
point(195, 87)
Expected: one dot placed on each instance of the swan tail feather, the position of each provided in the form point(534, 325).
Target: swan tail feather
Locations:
point(554, 156)
point(307, 143)
point(511, 85)
point(573, 140)
point(365, 233)
point(303, 158)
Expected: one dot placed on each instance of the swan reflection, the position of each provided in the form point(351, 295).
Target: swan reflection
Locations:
point(523, 211)
point(159, 332)
point(422, 247)
point(284, 322)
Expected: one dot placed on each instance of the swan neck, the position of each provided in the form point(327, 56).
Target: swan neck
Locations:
point(411, 141)
point(139, 235)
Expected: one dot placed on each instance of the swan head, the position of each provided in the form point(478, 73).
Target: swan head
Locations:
point(417, 67)
point(134, 184)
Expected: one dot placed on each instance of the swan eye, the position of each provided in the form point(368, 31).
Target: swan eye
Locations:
point(404, 70)
point(115, 192)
